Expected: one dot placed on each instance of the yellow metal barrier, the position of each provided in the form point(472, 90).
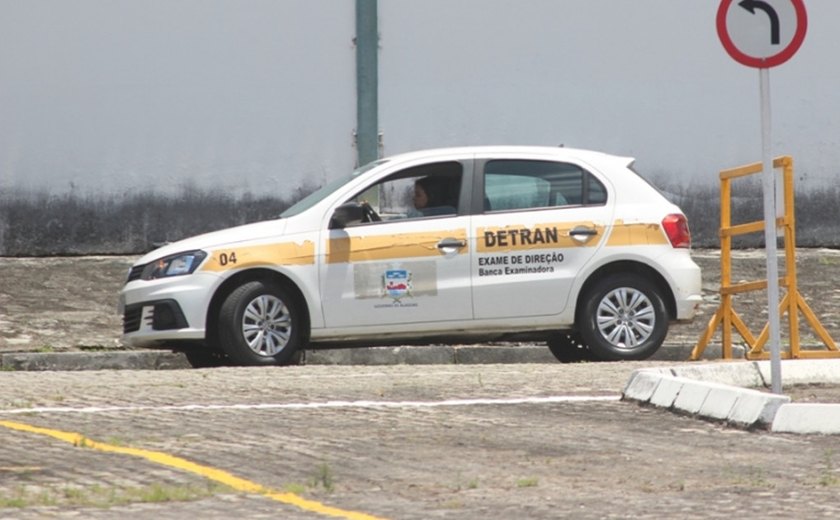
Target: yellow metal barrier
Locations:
point(792, 303)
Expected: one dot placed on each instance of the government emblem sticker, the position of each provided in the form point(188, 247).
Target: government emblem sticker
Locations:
point(397, 283)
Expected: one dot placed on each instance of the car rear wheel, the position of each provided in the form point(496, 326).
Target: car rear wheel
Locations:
point(259, 324)
point(623, 318)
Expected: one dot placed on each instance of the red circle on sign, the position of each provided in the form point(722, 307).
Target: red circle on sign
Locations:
point(769, 61)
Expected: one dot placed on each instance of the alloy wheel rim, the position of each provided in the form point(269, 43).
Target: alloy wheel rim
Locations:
point(266, 325)
point(626, 317)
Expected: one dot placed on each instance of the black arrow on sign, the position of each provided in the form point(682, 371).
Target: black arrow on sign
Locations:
point(751, 5)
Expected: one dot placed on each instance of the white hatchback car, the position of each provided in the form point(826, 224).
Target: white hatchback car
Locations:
point(492, 243)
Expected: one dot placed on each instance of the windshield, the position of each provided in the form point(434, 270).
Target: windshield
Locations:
point(320, 194)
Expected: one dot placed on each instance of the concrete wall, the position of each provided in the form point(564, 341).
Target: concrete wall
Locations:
point(105, 101)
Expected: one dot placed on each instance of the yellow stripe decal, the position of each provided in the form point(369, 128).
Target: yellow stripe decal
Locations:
point(390, 247)
point(540, 236)
point(218, 475)
point(636, 235)
point(288, 253)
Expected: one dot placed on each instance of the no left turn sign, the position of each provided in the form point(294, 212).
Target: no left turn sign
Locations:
point(761, 33)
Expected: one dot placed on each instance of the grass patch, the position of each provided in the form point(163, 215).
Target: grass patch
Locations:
point(749, 476)
point(828, 476)
point(828, 260)
point(527, 482)
point(109, 496)
point(461, 485)
point(323, 478)
point(295, 488)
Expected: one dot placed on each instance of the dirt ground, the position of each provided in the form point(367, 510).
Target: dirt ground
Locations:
point(61, 304)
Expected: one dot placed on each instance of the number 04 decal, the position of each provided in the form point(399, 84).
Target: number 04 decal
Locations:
point(227, 258)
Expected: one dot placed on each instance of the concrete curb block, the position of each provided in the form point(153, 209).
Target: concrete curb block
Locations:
point(716, 391)
point(372, 356)
point(666, 392)
point(428, 355)
point(641, 385)
point(431, 355)
point(738, 406)
point(132, 360)
point(804, 371)
point(739, 373)
point(719, 402)
point(400, 355)
point(754, 407)
point(452, 354)
point(807, 418)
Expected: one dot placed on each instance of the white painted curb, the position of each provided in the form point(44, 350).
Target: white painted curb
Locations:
point(717, 391)
point(807, 418)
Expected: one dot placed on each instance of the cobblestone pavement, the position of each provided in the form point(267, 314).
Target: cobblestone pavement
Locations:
point(537, 459)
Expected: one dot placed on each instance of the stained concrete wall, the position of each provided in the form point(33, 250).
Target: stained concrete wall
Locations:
point(147, 109)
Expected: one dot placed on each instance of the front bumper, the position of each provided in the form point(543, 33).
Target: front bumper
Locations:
point(166, 309)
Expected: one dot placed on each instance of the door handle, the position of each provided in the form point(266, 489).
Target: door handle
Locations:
point(583, 233)
point(451, 243)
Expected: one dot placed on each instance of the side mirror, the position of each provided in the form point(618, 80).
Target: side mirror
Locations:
point(346, 215)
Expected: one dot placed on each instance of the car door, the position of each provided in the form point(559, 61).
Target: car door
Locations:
point(410, 267)
point(543, 220)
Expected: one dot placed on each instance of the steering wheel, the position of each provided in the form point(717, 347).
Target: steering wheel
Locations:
point(370, 214)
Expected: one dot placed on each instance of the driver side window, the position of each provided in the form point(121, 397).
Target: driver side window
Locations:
point(425, 191)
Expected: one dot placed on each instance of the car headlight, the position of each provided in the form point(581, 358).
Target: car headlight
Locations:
point(173, 265)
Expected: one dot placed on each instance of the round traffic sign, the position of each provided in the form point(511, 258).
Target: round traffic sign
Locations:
point(761, 33)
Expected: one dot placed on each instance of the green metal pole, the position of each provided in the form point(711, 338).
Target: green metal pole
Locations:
point(367, 81)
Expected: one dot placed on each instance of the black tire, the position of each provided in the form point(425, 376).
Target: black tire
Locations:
point(260, 324)
point(567, 347)
point(205, 357)
point(623, 318)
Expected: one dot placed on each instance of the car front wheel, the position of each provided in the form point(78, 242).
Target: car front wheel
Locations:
point(259, 324)
point(623, 318)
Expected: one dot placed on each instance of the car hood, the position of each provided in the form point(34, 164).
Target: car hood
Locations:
point(248, 232)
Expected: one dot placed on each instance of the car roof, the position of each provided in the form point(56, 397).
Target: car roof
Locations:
point(559, 152)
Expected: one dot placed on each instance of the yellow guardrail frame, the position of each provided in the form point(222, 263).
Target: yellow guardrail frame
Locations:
point(792, 304)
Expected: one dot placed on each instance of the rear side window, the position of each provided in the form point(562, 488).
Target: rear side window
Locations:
point(521, 184)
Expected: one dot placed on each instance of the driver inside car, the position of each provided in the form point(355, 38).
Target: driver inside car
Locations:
point(429, 194)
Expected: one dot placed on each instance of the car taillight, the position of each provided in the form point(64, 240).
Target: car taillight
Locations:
point(676, 227)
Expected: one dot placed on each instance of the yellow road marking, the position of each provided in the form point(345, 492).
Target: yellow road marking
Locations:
point(237, 483)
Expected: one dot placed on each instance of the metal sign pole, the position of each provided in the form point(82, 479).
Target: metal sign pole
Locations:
point(769, 189)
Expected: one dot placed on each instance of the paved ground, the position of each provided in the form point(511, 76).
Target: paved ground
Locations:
point(386, 441)
point(537, 458)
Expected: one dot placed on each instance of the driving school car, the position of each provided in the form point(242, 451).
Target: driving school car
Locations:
point(556, 244)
